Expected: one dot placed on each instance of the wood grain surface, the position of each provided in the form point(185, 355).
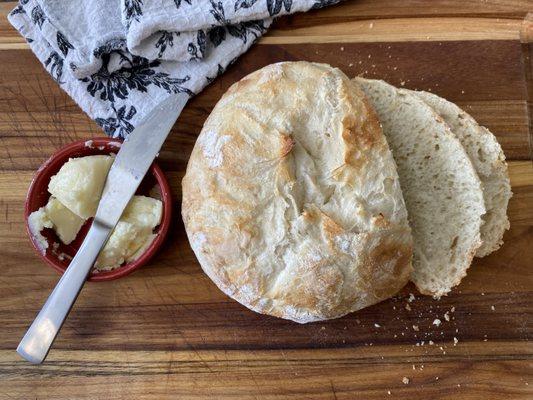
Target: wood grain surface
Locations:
point(167, 332)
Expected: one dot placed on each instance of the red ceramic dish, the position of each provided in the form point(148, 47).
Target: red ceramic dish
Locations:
point(38, 197)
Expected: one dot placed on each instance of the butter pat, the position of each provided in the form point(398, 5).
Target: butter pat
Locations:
point(116, 249)
point(56, 216)
point(144, 212)
point(79, 183)
point(37, 221)
point(133, 234)
point(65, 222)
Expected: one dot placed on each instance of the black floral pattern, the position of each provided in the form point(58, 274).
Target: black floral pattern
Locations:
point(171, 85)
point(18, 10)
point(217, 35)
point(138, 75)
point(37, 16)
point(217, 11)
point(118, 125)
point(220, 71)
point(177, 3)
point(63, 44)
point(323, 3)
point(54, 62)
point(165, 39)
point(132, 10)
point(255, 28)
point(274, 6)
point(244, 4)
point(109, 46)
point(197, 50)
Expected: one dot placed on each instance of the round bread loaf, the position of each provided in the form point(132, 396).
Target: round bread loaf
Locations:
point(291, 200)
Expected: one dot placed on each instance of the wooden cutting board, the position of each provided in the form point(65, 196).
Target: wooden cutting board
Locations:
point(168, 332)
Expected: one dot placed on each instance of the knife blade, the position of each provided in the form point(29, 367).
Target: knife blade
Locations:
point(131, 164)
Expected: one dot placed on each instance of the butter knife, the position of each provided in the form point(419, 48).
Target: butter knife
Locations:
point(131, 164)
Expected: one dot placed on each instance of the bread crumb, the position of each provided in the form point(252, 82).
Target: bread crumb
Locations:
point(377, 325)
point(405, 380)
point(369, 56)
point(342, 48)
point(414, 367)
point(436, 322)
point(482, 293)
point(371, 25)
point(455, 341)
point(402, 83)
point(446, 316)
point(452, 309)
point(431, 342)
point(350, 65)
point(436, 378)
point(408, 307)
point(415, 328)
point(411, 298)
point(463, 92)
point(388, 391)
point(492, 308)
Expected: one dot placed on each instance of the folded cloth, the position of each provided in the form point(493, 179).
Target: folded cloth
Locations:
point(118, 59)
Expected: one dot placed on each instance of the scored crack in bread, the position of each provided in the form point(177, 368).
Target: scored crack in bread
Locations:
point(488, 160)
point(441, 189)
point(291, 199)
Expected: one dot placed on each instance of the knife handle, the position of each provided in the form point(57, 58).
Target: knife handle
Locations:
point(37, 341)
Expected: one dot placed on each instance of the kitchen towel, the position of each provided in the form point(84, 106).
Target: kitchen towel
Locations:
point(119, 58)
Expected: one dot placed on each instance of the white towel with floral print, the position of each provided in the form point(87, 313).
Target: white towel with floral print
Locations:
point(119, 58)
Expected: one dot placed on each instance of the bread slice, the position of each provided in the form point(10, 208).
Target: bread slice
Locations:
point(442, 191)
point(488, 160)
